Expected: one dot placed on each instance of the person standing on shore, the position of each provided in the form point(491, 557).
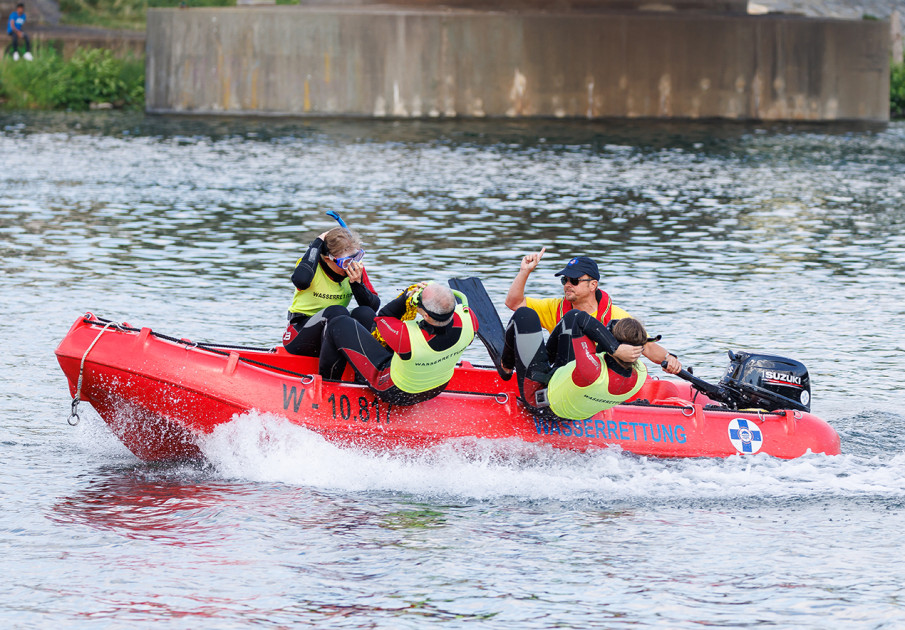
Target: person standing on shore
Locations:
point(15, 26)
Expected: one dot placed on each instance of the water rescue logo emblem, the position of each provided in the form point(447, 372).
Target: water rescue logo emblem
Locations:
point(745, 436)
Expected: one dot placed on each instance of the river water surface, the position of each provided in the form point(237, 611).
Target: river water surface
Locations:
point(720, 237)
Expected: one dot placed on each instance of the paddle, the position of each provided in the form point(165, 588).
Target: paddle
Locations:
point(490, 328)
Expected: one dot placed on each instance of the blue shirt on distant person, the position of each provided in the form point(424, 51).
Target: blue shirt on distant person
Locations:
point(16, 21)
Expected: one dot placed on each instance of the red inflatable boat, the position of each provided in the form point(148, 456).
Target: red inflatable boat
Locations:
point(158, 394)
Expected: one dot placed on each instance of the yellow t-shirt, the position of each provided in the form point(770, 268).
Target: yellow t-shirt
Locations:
point(547, 308)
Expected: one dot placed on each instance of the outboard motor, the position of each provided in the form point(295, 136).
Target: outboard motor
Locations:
point(767, 382)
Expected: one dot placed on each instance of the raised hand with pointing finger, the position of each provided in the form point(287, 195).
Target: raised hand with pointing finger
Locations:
point(580, 280)
point(516, 296)
point(530, 261)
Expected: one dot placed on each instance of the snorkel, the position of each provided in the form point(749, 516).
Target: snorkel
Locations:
point(344, 261)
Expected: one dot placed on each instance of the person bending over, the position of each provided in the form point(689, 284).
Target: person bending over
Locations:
point(580, 278)
point(419, 357)
point(326, 279)
point(583, 368)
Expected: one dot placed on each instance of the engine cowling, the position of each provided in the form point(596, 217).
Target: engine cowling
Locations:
point(767, 382)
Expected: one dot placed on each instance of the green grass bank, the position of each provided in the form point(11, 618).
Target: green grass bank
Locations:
point(91, 78)
point(897, 91)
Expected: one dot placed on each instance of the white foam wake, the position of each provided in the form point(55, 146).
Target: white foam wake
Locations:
point(267, 448)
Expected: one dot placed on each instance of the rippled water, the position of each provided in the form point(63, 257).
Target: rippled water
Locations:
point(783, 239)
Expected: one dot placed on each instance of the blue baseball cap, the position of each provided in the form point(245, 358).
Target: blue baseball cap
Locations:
point(580, 266)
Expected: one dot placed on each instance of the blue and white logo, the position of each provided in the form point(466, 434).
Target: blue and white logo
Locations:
point(745, 436)
point(572, 262)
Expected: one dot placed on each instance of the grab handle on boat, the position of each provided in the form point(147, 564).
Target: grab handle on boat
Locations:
point(791, 420)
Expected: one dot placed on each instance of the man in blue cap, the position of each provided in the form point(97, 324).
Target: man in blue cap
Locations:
point(580, 279)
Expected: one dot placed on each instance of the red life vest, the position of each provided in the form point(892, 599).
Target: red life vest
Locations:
point(604, 308)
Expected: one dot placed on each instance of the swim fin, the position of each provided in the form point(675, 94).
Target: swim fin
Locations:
point(490, 328)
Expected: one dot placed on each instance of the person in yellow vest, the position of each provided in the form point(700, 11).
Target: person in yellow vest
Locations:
point(326, 279)
point(580, 279)
point(583, 368)
point(419, 357)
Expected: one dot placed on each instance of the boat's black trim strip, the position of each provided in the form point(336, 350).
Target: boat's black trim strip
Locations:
point(211, 347)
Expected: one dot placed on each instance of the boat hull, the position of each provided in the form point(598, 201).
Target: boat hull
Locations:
point(159, 396)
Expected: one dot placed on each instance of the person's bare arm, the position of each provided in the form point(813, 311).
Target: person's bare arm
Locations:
point(515, 298)
point(657, 353)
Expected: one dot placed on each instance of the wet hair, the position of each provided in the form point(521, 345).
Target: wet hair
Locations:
point(438, 302)
point(339, 241)
point(631, 331)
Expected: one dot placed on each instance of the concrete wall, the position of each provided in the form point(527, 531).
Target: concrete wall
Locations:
point(705, 6)
point(373, 61)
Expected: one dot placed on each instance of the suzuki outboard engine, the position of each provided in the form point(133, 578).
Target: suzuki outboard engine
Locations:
point(767, 382)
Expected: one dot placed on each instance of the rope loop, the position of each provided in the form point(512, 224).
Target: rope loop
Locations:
point(78, 389)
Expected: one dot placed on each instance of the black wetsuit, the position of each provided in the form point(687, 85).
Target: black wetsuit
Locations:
point(303, 335)
point(535, 361)
point(346, 340)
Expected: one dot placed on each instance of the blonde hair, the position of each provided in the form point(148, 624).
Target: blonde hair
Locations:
point(339, 241)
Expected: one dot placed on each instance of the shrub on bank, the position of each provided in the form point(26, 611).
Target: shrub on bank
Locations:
point(91, 76)
point(897, 91)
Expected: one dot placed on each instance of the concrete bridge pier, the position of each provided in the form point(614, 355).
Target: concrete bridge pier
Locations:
point(423, 62)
